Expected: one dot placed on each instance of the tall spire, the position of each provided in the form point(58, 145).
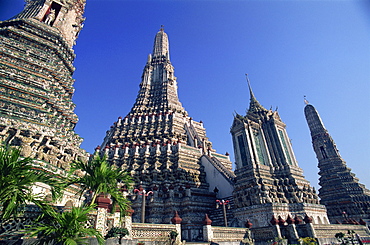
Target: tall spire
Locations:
point(158, 88)
point(161, 47)
point(340, 190)
point(164, 149)
point(254, 105)
point(314, 121)
point(265, 164)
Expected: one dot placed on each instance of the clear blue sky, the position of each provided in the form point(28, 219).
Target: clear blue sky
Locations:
point(289, 49)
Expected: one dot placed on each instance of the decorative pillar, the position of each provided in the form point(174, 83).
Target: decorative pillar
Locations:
point(276, 228)
point(207, 229)
point(103, 203)
point(248, 234)
point(309, 226)
point(117, 217)
point(292, 229)
point(176, 220)
point(127, 223)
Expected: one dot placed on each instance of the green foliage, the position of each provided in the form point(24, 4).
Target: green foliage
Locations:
point(278, 241)
point(66, 228)
point(341, 237)
point(247, 241)
point(308, 241)
point(17, 176)
point(173, 235)
point(117, 232)
point(101, 177)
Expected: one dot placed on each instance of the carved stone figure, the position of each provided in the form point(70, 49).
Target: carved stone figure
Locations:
point(26, 149)
point(50, 17)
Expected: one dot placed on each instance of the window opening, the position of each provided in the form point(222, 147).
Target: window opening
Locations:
point(51, 14)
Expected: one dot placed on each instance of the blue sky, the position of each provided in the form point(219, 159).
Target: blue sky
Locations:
point(289, 49)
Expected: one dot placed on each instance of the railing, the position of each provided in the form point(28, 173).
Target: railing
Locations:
point(262, 233)
point(228, 234)
point(331, 230)
point(192, 133)
point(152, 232)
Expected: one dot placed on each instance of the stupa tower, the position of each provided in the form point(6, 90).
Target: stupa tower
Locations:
point(36, 84)
point(269, 182)
point(344, 197)
point(167, 151)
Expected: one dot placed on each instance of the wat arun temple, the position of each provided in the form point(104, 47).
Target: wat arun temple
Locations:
point(161, 146)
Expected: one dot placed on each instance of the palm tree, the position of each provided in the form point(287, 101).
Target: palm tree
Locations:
point(64, 228)
point(101, 177)
point(17, 176)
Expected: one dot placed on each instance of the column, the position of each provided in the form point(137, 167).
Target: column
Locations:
point(207, 229)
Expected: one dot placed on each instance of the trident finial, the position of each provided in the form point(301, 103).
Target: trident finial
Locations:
point(305, 100)
point(249, 83)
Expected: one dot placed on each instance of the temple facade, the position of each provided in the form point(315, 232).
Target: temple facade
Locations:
point(269, 184)
point(167, 152)
point(346, 200)
point(174, 165)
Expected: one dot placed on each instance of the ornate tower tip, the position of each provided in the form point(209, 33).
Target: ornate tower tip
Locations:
point(254, 105)
point(162, 28)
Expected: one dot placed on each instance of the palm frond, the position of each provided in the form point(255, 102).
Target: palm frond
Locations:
point(101, 177)
point(17, 176)
point(67, 227)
